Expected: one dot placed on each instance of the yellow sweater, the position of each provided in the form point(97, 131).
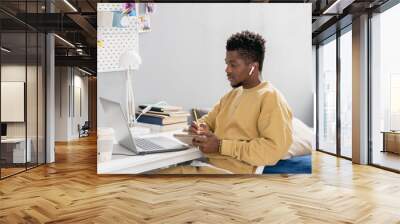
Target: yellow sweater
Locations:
point(255, 126)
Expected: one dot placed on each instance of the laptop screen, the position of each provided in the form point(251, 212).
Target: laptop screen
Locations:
point(117, 121)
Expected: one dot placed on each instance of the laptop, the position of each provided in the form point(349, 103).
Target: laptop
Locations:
point(123, 135)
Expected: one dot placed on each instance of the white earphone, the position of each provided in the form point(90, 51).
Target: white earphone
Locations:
point(251, 70)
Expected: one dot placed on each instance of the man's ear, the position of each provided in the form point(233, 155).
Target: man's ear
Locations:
point(256, 66)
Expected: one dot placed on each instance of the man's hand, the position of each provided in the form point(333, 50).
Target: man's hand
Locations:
point(207, 142)
point(198, 129)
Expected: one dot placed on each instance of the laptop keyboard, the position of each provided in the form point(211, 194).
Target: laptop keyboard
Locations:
point(147, 144)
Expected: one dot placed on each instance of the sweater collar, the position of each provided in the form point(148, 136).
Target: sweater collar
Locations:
point(255, 88)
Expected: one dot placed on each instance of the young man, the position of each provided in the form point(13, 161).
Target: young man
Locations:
point(252, 124)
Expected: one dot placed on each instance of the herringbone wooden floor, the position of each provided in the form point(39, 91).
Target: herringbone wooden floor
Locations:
point(70, 191)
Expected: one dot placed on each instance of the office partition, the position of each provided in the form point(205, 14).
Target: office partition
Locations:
point(22, 77)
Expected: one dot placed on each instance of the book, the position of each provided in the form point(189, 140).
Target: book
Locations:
point(164, 116)
point(162, 128)
point(160, 119)
point(169, 114)
point(168, 108)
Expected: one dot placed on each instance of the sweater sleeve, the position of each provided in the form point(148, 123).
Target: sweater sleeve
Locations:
point(211, 116)
point(275, 130)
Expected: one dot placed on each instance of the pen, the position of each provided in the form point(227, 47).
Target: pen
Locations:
point(195, 116)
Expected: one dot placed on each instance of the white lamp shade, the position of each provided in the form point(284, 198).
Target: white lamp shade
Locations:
point(130, 60)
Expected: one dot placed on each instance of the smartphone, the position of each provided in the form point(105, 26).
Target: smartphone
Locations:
point(185, 138)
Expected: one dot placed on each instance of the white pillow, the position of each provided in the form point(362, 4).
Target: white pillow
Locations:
point(302, 140)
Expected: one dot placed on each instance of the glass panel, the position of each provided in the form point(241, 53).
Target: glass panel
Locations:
point(77, 110)
point(32, 6)
point(346, 94)
point(32, 86)
point(395, 102)
point(386, 89)
point(41, 98)
point(31, 100)
point(327, 96)
point(13, 87)
point(23, 84)
point(15, 8)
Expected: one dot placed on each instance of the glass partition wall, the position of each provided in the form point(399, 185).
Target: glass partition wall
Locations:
point(334, 111)
point(346, 92)
point(327, 95)
point(334, 97)
point(22, 77)
point(385, 89)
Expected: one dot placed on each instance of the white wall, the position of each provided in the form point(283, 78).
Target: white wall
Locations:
point(183, 55)
point(33, 126)
point(79, 117)
point(12, 73)
point(66, 119)
point(16, 72)
point(61, 103)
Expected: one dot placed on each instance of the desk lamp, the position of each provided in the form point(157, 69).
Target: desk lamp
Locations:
point(130, 60)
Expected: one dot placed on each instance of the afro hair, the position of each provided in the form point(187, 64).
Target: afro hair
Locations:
point(250, 45)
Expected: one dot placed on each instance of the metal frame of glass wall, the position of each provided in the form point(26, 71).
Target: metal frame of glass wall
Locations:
point(334, 37)
point(34, 114)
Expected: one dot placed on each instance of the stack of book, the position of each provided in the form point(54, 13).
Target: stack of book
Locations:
point(163, 118)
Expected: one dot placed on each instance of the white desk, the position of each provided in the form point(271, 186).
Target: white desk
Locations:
point(120, 164)
point(18, 149)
